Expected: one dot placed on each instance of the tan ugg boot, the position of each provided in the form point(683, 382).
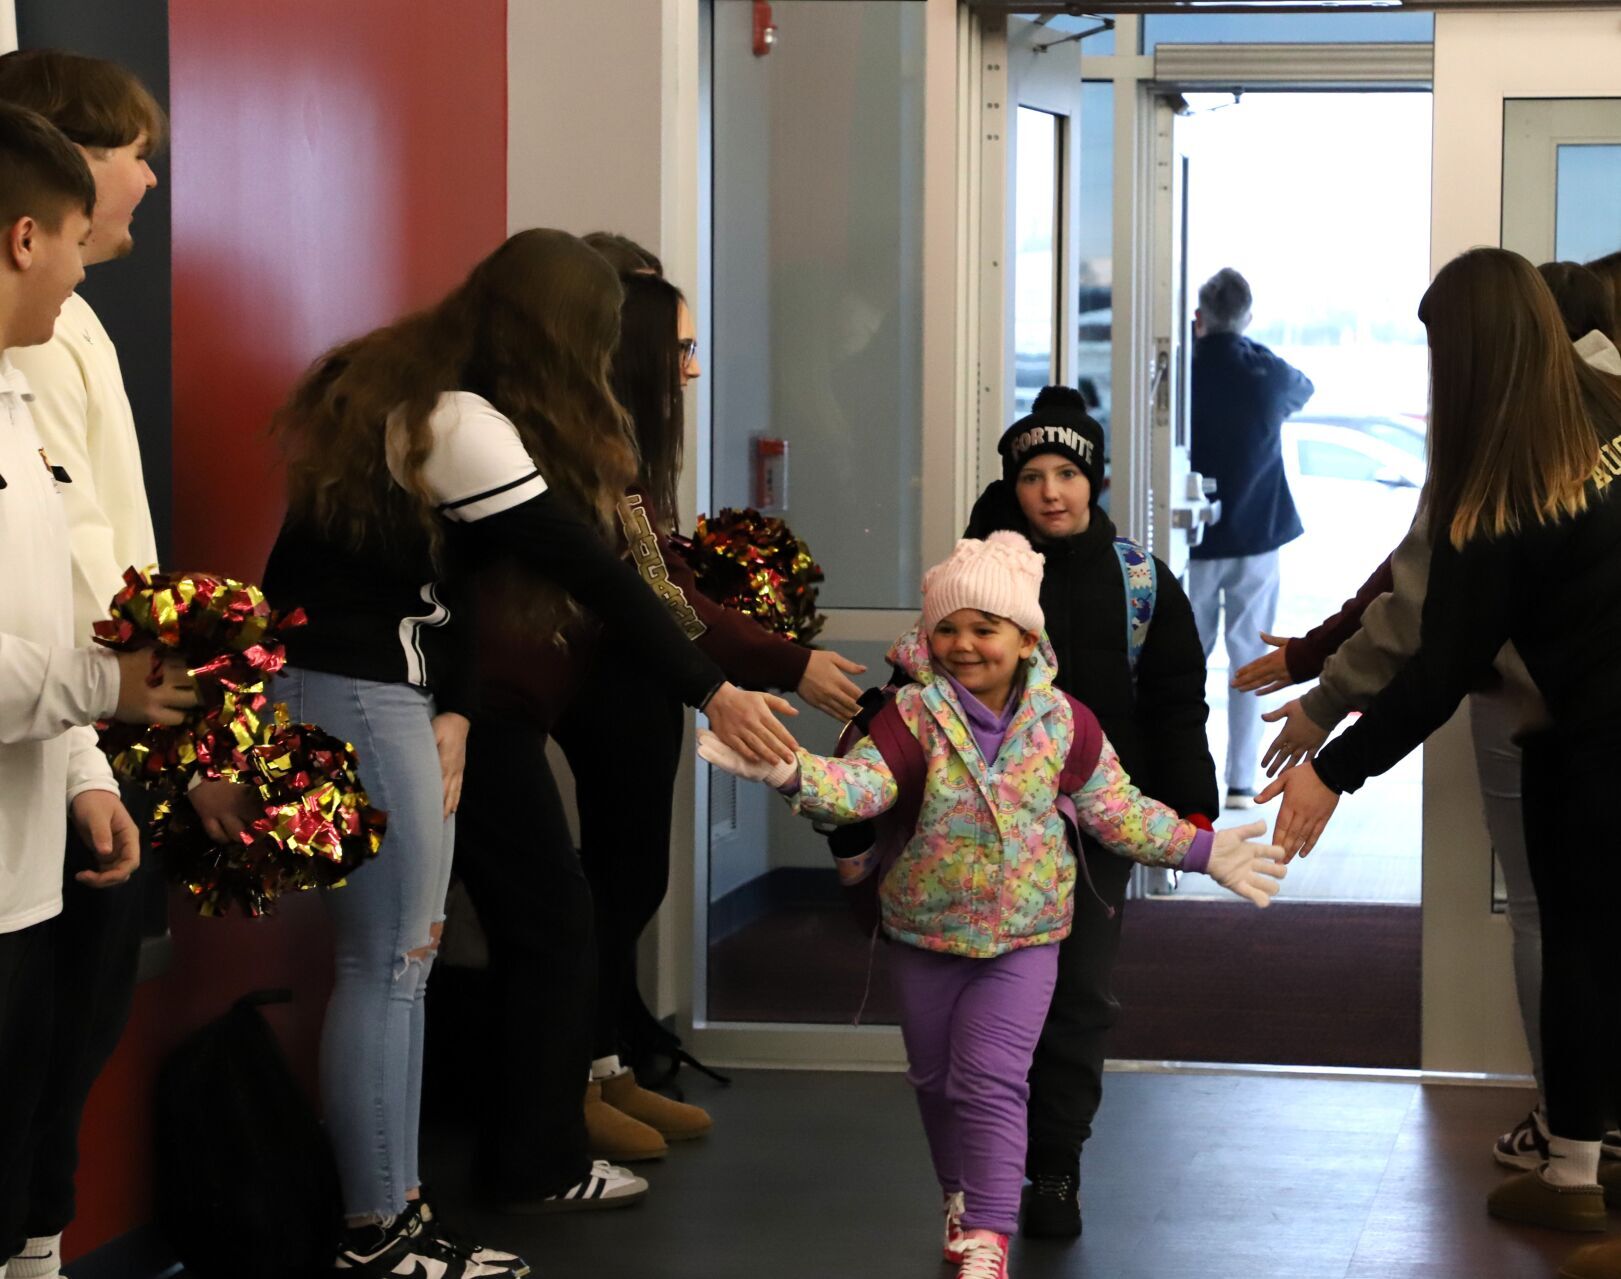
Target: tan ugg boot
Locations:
point(616, 1136)
point(1596, 1261)
point(673, 1120)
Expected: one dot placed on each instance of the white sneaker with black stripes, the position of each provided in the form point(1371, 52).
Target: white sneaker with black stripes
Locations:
point(390, 1254)
point(427, 1225)
point(605, 1186)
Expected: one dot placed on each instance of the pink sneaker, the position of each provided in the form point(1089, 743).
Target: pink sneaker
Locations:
point(984, 1258)
point(953, 1247)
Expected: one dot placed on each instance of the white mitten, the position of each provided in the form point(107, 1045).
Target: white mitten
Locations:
point(1250, 870)
point(776, 773)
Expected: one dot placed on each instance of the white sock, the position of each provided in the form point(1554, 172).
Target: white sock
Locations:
point(41, 1258)
point(1571, 1163)
point(602, 1068)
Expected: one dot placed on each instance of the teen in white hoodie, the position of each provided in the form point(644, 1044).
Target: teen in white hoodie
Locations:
point(49, 690)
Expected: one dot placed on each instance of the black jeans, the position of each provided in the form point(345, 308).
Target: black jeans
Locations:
point(96, 942)
point(1066, 1077)
point(517, 859)
point(623, 741)
point(27, 1000)
point(1575, 861)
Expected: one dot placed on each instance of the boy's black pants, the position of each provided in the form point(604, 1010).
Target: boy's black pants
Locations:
point(623, 740)
point(1575, 858)
point(517, 860)
point(96, 945)
point(1066, 1077)
point(27, 998)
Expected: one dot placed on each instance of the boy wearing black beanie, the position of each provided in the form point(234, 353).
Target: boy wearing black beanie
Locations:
point(1128, 648)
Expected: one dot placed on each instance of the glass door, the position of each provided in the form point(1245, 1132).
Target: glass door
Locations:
point(816, 371)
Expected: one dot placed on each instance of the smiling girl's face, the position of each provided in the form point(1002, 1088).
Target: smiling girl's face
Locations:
point(981, 652)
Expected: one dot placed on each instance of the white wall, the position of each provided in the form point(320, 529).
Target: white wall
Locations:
point(1470, 1019)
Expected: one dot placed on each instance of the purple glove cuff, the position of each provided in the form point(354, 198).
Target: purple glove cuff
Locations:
point(1197, 858)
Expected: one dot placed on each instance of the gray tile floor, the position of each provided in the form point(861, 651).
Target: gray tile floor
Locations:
point(810, 1175)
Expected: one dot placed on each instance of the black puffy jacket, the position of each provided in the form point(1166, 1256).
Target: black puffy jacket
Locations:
point(1158, 726)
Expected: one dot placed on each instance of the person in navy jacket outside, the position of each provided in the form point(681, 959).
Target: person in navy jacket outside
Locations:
point(1242, 393)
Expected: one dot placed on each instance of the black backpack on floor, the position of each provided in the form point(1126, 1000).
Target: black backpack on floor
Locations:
point(245, 1183)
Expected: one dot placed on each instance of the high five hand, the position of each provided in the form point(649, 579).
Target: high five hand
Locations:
point(1252, 871)
point(1307, 806)
point(722, 756)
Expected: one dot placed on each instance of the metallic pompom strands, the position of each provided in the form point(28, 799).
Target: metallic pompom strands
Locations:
point(754, 564)
point(316, 824)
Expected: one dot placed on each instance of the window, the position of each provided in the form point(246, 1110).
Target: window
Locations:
point(1038, 177)
point(1287, 28)
point(1587, 217)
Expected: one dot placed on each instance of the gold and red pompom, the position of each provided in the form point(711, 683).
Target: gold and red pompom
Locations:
point(316, 824)
point(753, 564)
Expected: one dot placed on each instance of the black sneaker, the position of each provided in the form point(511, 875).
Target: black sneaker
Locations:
point(419, 1219)
point(386, 1252)
point(1524, 1146)
point(1052, 1206)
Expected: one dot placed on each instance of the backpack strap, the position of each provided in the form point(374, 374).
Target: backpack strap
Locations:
point(1141, 576)
point(903, 755)
point(1084, 748)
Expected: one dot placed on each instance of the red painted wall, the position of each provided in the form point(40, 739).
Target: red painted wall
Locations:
point(334, 164)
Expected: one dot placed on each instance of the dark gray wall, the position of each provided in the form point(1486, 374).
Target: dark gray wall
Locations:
point(132, 295)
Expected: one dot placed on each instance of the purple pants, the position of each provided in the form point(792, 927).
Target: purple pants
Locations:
point(970, 1027)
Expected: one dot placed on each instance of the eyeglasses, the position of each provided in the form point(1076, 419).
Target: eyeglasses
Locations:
point(689, 351)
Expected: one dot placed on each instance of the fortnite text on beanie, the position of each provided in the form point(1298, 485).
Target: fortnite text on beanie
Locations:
point(1000, 576)
point(1057, 423)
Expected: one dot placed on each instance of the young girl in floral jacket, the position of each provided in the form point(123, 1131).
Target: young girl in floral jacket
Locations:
point(982, 890)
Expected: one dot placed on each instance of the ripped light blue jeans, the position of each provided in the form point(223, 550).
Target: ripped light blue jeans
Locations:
point(383, 918)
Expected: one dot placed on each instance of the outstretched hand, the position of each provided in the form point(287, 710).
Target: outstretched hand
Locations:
point(827, 687)
point(722, 756)
point(1268, 673)
point(1252, 871)
point(1307, 806)
point(745, 721)
point(1300, 738)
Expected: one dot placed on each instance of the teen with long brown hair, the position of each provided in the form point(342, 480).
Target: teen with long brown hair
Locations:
point(478, 430)
point(626, 850)
point(1608, 269)
point(1525, 449)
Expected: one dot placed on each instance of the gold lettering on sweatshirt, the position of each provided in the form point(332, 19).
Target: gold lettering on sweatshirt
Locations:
point(1609, 464)
point(649, 561)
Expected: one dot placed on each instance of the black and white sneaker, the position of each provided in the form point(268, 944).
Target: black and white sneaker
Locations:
point(388, 1253)
point(1525, 1145)
point(420, 1220)
point(605, 1186)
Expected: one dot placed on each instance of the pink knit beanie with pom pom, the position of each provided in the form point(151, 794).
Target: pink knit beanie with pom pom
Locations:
point(1000, 576)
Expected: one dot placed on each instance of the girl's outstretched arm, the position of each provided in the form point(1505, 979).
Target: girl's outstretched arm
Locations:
point(840, 789)
point(1112, 810)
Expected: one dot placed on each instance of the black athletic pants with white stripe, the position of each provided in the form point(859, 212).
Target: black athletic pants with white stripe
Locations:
point(623, 739)
point(1568, 784)
point(517, 860)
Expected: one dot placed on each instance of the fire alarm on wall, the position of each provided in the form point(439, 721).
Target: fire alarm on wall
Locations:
point(765, 30)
